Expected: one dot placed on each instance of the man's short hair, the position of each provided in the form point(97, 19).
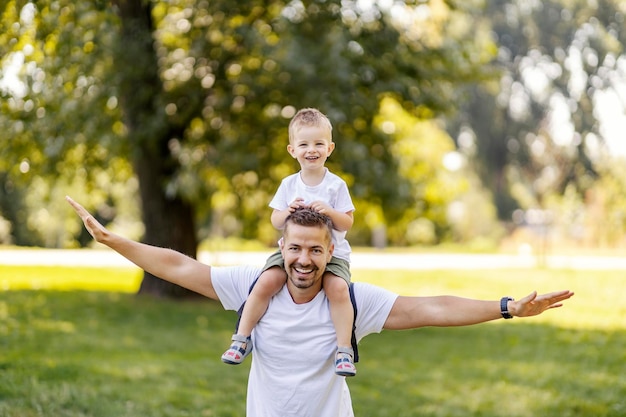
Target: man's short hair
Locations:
point(310, 218)
point(309, 117)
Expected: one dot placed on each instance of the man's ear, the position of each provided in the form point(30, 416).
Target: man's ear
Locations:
point(331, 249)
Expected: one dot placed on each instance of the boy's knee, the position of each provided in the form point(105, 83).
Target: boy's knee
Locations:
point(271, 280)
point(336, 286)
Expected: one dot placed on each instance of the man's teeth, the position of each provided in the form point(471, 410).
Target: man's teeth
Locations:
point(303, 271)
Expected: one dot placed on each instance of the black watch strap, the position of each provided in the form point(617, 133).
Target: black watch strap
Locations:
point(504, 307)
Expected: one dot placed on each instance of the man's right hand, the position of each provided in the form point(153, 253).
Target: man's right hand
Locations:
point(93, 226)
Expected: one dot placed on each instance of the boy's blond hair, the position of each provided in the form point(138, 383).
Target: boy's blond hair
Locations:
point(309, 117)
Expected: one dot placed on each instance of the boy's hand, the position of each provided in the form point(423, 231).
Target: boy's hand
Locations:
point(321, 207)
point(296, 204)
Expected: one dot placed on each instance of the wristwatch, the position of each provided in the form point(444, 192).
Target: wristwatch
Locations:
point(504, 307)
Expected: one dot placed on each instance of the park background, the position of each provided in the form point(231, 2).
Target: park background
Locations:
point(490, 128)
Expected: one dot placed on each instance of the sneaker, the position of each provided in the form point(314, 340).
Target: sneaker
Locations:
point(344, 364)
point(241, 347)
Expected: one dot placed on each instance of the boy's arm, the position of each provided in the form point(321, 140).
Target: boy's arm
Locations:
point(278, 217)
point(164, 263)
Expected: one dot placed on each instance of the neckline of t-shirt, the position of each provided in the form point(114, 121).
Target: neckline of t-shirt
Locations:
point(312, 186)
point(302, 306)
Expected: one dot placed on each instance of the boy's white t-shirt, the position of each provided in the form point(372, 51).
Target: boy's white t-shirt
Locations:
point(332, 190)
point(292, 372)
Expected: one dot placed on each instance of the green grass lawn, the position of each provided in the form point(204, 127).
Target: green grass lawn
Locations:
point(104, 352)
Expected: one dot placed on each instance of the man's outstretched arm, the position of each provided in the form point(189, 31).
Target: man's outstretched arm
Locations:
point(443, 311)
point(164, 263)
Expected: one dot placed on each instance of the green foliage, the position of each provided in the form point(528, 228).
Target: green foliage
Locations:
point(213, 84)
point(103, 354)
point(541, 129)
point(58, 119)
point(605, 209)
point(215, 97)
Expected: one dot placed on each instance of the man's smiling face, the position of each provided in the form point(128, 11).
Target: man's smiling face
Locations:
point(306, 251)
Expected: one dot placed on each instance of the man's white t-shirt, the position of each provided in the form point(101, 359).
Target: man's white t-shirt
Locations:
point(332, 190)
point(292, 372)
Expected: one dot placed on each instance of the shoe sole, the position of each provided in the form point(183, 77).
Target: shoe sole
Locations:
point(229, 362)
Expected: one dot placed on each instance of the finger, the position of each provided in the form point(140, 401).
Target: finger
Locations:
point(556, 296)
point(80, 210)
point(529, 298)
point(72, 203)
point(92, 223)
point(557, 300)
point(565, 294)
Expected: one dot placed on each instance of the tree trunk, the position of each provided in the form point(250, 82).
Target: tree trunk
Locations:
point(168, 219)
point(168, 222)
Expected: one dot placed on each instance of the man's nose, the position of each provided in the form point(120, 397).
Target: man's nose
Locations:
point(304, 258)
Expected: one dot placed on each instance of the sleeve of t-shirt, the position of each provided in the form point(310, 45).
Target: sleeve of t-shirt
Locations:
point(373, 307)
point(232, 284)
point(279, 202)
point(344, 201)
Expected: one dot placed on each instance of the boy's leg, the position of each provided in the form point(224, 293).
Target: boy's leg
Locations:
point(342, 314)
point(268, 284)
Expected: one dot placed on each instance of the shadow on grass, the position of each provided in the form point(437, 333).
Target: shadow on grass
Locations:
point(117, 355)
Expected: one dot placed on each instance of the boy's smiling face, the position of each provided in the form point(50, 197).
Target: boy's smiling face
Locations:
point(311, 146)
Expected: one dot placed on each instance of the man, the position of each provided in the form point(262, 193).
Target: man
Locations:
point(292, 371)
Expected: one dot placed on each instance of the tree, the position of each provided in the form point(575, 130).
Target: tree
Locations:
point(533, 133)
point(197, 96)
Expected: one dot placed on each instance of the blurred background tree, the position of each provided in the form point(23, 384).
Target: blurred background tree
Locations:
point(448, 116)
point(547, 131)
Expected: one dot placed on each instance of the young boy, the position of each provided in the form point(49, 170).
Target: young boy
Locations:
point(310, 143)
